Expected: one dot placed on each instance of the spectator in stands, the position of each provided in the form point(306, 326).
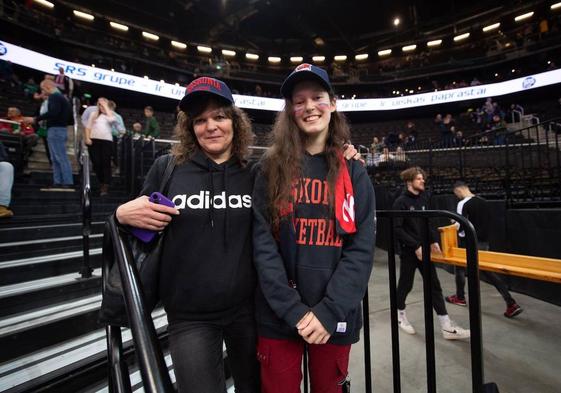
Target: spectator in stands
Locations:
point(459, 139)
point(137, 128)
point(386, 156)
point(376, 146)
point(400, 154)
point(412, 134)
point(30, 88)
point(118, 130)
point(476, 210)
point(515, 113)
point(99, 137)
point(151, 126)
point(20, 127)
point(391, 140)
point(63, 83)
point(409, 236)
point(313, 261)
point(498, 124)
point(447, 130)
point(6, 182)
point(207, 274)
point(57, 117)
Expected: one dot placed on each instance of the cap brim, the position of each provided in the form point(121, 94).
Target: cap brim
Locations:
point(297, 77)
point(190, 98)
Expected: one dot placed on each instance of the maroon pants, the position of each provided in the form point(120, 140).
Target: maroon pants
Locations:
point(281, 366)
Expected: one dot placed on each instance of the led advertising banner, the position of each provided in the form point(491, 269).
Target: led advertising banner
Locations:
point(48, 64)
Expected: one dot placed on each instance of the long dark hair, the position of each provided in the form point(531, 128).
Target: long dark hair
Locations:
point(282, 163)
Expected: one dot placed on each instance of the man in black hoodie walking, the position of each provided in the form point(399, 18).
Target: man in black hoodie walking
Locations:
point(408, 233)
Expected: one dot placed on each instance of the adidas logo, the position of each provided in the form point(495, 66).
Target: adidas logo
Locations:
point(203, 200)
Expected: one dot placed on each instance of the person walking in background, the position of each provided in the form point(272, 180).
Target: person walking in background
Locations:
point(313, 239)
point(99, 137)
point(57, 117)
point(408, 233)
point(151, 126)
point(476, 210)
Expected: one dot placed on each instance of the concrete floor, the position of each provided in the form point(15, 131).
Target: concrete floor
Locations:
point(521, 355)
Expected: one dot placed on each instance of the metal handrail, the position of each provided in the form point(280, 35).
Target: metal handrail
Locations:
point(477, 367)
point(153, 369)
point(81, 151)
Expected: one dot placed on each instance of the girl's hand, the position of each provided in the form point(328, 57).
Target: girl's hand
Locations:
point(311, 330)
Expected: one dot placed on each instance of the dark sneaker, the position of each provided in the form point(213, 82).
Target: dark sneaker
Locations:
point(454, 299)
point(513, 310)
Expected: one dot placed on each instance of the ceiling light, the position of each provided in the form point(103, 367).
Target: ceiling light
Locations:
point(318, 59)
point(340, 58)
point(145, 76)
point(409, 48)
point(384, 52)
point(204, 49)
point(251, 56)
point(93, 65)
point(319, 41)
point(296, 59)
point(178, 45)
point(48, 4)
point(150, 36)
point(362, 56)
point(396, 22)
point(112, 69)
point(434, 43)
point(491, 27)
point(162, 81)
point(555, 6)
point(83, 15)
point(274, 59)
point(461, 37)
point(524, 16)
point(228, 52)
point(119, 26)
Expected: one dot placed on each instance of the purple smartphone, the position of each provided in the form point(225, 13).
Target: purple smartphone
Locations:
point(146, 235)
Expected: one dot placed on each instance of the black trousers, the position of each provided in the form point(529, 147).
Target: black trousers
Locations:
point(100, 154)
point(196, 351)
point(409, 263)
point(491, 277)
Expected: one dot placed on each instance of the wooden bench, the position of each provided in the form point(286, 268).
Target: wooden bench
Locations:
point(537, 268)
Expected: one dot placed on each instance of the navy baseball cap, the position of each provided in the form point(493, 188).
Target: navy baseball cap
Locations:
point(305, 71)
point(202, 86)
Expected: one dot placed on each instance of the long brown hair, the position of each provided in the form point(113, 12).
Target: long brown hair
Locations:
point(282, 163)
point(188, 144)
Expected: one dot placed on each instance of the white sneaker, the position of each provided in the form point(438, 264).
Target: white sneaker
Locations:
point(454, 332)
point(404, 324)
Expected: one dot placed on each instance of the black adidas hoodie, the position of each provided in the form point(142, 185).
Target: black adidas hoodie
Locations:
point(206, 268)
point(325, 272)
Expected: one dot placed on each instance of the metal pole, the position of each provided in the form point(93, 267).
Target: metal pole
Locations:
point(86, 270)
point(393, 310)
point(119, 380)
point(153, 369)
point(429, 325)
point(366, 339)
point(476, 341)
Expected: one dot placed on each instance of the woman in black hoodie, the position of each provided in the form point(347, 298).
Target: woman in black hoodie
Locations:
point(207, 279)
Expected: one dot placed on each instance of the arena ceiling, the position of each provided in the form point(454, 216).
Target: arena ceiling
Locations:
point(296, 27)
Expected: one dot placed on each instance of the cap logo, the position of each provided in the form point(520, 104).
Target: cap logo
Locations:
point(204, 83)
point(304, 67)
